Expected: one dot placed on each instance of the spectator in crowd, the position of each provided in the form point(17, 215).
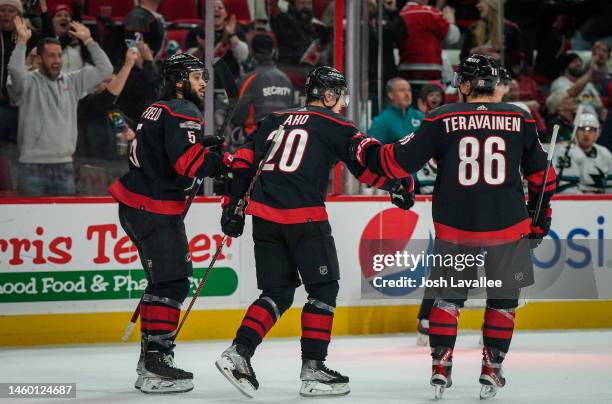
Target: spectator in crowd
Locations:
point(230, 41)
point(596, 27)
point(146, 21)
point(584, 167)
point(265, 90)
point(30, 13)
point(551, 44)
point(564, 117)
point(47, 101)
point(484, 37)
point(9, 9)
point(96, 132)
point(514, 96)
point(141, 87)
point(600, 54)
point(576, 84)
point(56, 24)
point(399, 118)
point(421, 51)
point(528, 88)
point(432, 96)
point(393, 33)
point(301, 40)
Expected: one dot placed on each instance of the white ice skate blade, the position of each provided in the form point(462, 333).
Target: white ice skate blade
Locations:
point(422, 339)
point(138, 382)
point(438, 392)
point(158, 385)
point(226, 366)
point(313, 388)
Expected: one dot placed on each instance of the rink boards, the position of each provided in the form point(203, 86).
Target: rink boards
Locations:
point(68, 273)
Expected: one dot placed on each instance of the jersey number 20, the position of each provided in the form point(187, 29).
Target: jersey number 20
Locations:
point(293, 145)
point(494, 161)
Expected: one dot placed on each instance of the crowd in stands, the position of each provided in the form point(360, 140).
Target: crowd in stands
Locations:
point(75, 75)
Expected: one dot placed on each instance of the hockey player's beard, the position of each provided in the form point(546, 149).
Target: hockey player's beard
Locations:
point(193, 96)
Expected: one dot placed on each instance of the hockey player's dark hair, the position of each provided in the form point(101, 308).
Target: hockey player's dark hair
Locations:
point(40, 46)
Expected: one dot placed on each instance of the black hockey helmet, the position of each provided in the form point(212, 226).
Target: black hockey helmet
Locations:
point(324, 78)
point(177, 67)
point(481, 71)
point(504, 76)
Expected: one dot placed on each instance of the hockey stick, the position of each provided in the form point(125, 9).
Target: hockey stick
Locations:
point(239, 210)
point(223, 73)
point(551, 151)
point(569, 142)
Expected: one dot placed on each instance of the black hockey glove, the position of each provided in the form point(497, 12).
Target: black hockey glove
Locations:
point(232, 219)
point(358, 146)
point(402, 195)
point(540, 229)
point(212, 141)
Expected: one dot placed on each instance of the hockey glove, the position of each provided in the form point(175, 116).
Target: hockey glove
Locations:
point(212, 141)
point(540, 229)
point(402, 195)
point(232, 219)
point(358, 146)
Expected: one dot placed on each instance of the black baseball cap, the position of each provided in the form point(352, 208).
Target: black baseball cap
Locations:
point(262, 43)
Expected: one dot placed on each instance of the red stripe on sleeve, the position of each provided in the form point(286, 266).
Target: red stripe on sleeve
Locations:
point(198, 163)
point(395, 170)
point(185, 160)
point(368, 177)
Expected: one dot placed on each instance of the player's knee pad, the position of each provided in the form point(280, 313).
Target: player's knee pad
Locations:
point(176, 290)
point(279, 298)
point(325, 293)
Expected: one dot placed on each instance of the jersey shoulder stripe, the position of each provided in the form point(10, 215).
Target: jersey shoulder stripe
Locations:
point(177, 112)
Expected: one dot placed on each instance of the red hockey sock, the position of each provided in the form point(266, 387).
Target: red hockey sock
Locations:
point(498, 328)
point(316, 331)
point(443, 321)
point(258, 320)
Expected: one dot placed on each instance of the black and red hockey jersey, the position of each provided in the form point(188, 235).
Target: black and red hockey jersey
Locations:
point(481, 150)
point(164, 157)
point(293, 182)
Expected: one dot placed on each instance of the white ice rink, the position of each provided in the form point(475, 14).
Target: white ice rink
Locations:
point(550, 367)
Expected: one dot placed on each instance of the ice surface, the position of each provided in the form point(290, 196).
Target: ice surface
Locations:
point(559, 367)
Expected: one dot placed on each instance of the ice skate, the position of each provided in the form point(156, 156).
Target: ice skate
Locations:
point(235, 365)
point(491, 376)
point(161, 376)
point(442, 365)
point(319, 381)
point(423, 333)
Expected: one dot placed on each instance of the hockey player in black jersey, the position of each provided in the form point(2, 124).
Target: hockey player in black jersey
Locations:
point(428, 302)
point(293, 241)
point(481, 147)
point(166, 155)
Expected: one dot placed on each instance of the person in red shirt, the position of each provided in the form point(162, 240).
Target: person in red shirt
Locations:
point(421, 52)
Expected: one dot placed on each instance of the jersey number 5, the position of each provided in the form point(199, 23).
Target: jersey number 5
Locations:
point(293, 145)
point(494, 161)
